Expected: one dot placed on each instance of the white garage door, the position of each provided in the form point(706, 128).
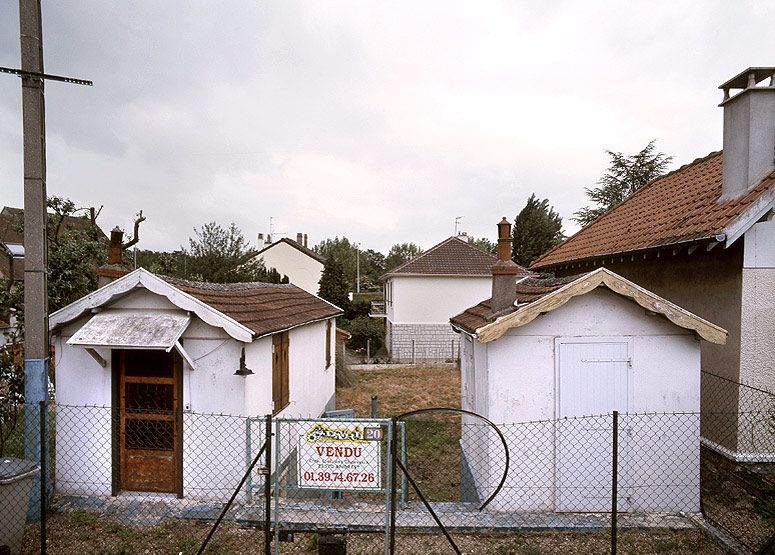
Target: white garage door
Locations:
point(594, 379)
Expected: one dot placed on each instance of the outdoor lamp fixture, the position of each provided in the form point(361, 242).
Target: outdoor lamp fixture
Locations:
point(243, 370)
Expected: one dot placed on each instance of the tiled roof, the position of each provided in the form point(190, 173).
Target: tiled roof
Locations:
point(297, 246)
point(263, 307)
point(680, 207)
point(12, 219)
point(529, 290)
point(451, 257)
point(539, 296)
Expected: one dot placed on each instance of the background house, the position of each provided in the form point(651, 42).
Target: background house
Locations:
point(550, 360)
point(422, 294)
point(166, 351)
point(703, 237)
point(302, 265)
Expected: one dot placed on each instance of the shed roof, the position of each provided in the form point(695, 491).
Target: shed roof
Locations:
point(451, 257)
point(679, 208)
point(244, 310)
point(265, 308)
point(537, 296)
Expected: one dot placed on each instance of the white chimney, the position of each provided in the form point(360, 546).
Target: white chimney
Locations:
point(749, 130)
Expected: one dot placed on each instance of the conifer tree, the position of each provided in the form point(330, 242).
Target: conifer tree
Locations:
point(537, 228)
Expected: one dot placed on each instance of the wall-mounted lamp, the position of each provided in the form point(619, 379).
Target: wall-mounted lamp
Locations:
point(243, 370)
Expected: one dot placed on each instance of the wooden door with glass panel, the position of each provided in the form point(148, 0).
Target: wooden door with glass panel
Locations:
point(149, 435)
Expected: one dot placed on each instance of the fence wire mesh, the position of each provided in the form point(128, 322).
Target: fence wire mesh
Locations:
point(157, 487)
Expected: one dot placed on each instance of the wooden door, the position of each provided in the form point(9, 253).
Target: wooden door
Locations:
point(280, 371)
point(595, 379)
point(149, 395)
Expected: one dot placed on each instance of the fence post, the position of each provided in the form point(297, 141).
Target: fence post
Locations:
point(412, 351)
point(43, 473)
point(392, 482)
point(614, 480)
point(268, 487)
point(374, 406)
point(368, 351)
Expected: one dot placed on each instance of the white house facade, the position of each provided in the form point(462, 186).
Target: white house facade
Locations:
point(422, 295)
point(302, 265)
point(156, 359)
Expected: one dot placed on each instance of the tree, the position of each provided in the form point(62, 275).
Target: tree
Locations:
point(333, 285)
point(624, 176)
point(401, 253)
point(537, 228)
point(345, 252)
point(484, 244)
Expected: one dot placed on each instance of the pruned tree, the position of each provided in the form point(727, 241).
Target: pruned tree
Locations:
point(625, 175)
point(537, 228)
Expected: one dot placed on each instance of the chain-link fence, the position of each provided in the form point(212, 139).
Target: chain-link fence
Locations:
point(156, 482)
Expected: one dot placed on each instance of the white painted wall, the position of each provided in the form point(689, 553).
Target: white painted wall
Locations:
point(757, 339)
point(521, 388)
point(435, 299)
point(303, 270)
point(216, 401)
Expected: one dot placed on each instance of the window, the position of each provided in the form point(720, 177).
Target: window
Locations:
point(280, 391)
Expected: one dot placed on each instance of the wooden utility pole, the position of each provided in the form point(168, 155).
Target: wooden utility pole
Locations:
point(36, 346)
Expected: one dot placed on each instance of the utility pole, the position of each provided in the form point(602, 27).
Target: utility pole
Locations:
point(36, 347)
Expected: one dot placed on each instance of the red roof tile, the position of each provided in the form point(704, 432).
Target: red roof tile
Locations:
point(679, 207)
point(263, 307)
point(451, 257)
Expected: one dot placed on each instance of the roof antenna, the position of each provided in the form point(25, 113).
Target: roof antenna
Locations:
point(457, 223)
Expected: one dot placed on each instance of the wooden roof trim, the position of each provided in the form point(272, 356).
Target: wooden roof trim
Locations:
point(602, 276)
point(153, 283)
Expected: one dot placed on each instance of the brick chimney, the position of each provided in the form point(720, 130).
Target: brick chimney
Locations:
point(749, 130)
point(114, 268)
point(300, 238)
point(504, 280)
point(305, 239)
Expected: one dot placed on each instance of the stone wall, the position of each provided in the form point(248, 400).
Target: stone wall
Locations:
point(423, 343)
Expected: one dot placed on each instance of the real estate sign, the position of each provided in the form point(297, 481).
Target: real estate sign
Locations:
point(340, 455)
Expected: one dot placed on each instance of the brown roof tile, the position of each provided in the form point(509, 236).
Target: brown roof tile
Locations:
point(529, 290)
point(263, 307)
point(298, 246)
point(677, 208)
point(451, 257)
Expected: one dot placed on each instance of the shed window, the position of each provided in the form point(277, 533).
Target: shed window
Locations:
point(280, 392)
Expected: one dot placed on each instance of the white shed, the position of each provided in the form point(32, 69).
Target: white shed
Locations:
point(160, 353)
point(551, 368)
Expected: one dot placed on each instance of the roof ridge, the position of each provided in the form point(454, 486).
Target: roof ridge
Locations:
point(446, 241)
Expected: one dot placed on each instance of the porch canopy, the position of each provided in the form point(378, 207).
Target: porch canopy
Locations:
point(115, 329)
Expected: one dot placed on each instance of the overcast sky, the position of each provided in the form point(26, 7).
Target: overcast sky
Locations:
point(381, 121)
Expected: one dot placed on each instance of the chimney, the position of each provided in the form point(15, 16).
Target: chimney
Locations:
point(114, 268)
point(749, 130)
point(300, 238)
point(504, 281)
point(305, 239)
point(260, 240)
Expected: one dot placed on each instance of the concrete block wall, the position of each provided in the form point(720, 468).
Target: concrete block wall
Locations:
point(432, 343)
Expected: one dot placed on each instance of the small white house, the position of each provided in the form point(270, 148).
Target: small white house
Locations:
point(425, 292)
point(551, 363)
point(302, 265)
point(163, 355)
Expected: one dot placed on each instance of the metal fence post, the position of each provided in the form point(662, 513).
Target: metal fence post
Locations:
point(614, 480)
point(413, 352)
point(392, 482)
point(43, 473)
point(374, 406)
point(268, 487)
point(368, 351)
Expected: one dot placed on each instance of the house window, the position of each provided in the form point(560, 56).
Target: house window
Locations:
point(328, 343)
point(280, 391)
